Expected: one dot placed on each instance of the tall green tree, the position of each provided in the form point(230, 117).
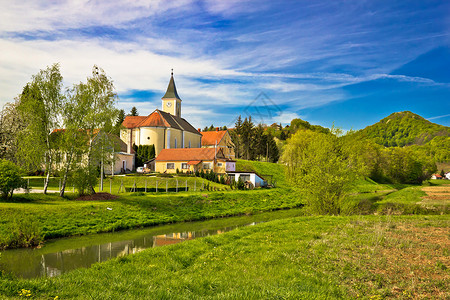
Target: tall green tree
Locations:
point(11, 124)
point(134, 111)
point(40, 105)
point(90, 109)
point(317, 166)
point(119, 121)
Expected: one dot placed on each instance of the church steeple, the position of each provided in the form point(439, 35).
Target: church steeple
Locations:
point(171, 102)
point(171, 92)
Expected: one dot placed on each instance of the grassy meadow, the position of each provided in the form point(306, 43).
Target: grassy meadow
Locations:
point(393, 243)
point(322, 257)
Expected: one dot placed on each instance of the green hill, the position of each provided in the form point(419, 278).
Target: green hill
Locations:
point(403, 129)
point(264, 168)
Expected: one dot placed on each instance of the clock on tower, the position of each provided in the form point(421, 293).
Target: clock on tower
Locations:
point(171, 100)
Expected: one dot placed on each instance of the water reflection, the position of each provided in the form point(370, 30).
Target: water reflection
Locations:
point(30, 263)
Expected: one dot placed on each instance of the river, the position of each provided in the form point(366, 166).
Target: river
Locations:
point(62, 255)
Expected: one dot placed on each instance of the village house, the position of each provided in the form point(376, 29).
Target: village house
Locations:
point(436, 176)
point(165, 129)
point(219, 139)
point(192, 160)
point(120, 161)
point(247, 177)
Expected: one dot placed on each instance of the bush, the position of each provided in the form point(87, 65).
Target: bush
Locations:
point(23, 232)
point(83, 180)
point(10, 179)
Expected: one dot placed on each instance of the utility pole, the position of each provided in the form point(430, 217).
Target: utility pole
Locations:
point(101, 171)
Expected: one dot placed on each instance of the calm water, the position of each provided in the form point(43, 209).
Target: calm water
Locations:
point(59, 256)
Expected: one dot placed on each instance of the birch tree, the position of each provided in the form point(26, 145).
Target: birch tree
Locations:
point(90, 107)
point(40, 105)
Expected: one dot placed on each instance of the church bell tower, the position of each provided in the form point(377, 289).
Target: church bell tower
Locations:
point(171, 102)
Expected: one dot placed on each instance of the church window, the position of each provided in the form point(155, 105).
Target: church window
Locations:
point(176, 144)
point(170, 166)
point(148, 138)
point(189, 144)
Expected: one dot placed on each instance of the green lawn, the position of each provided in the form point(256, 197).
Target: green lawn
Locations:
point(112, 184)
point(53, 216)
point(369, 257)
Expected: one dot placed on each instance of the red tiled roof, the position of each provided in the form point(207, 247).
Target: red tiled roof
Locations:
point(154, 120)
point(159, 118)
point(189, 154)
point(132, 121)
point(194, 162)
point(210, 138)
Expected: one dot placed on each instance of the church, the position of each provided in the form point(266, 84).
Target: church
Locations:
point(165, 129)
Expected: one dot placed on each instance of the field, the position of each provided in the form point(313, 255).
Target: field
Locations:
point(323, 257)
point(51, 216)
point(375, 253)
point(120, 184)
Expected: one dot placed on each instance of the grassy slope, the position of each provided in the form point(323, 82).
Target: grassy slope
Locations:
point(58, 217)
point(300, 258)
point(113, 184)
point(265, 168)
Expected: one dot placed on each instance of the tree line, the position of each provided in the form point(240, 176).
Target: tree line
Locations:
point(253, 142)
point(324, 166)
point(62, 130)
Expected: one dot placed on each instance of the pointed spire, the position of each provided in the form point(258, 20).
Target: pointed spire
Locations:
point(171, 92)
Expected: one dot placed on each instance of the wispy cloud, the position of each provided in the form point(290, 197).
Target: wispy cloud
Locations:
point(224, 52)
point(439, 117)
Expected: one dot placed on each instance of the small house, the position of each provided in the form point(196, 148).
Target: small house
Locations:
point(219, 139)
point(192, 160)
point(436, 176)
point(253, 177)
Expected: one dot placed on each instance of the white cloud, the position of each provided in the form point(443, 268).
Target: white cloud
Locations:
point(50, 15)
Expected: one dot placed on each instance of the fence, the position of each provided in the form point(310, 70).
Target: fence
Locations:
point(122, 184)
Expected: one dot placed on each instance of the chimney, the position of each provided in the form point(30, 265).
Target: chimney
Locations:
point(199, 130)
point(217, 128)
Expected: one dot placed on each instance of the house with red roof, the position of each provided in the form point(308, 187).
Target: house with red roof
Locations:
point(192, 160)
point(165, 129)
point(219, 139)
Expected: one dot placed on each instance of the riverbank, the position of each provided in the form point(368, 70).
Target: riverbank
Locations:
point(299, 258)
point(33, 218)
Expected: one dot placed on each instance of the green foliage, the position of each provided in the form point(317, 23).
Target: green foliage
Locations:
point(279, 259)
point(40, 106)
point(119, 121)
point(402, 129)
point(240, 184)
point(253, 142)
point(134, 112)
point(144, 153)
point(318, 165)
point(24, 231)
point(10, 179)
point(84, 179)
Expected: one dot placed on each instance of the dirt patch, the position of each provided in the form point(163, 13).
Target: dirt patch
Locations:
point(439, 194)
point(97, 197)
point(418, 256)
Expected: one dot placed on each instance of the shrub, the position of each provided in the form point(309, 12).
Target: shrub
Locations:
point(10, 179)
point(83, 180)
point(23, 232)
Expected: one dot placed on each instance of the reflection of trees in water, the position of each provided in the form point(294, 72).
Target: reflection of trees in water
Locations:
point(28, 263)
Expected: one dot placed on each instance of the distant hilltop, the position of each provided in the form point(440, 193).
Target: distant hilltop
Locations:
point(403, 129)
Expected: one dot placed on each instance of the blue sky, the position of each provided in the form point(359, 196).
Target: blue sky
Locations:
point(347, 63)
